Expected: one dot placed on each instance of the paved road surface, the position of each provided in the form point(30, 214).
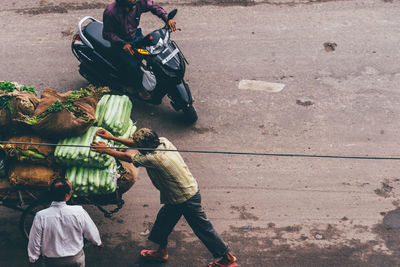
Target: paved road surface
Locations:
point(340, 98)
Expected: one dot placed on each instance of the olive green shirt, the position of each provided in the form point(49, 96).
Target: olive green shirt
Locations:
point(168, 173)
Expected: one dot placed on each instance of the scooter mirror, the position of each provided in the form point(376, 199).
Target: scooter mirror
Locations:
point(172, 14)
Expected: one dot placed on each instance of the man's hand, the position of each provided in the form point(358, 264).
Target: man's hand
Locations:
point(99, 147)
point(172, 25)
point(128, 49)
point(104, 133)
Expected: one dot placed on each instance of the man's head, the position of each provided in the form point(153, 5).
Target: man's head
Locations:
point(146, 138)
point(126, 3)
point(60, 190)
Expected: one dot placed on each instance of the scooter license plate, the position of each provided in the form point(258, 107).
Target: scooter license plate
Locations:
point(168, 58)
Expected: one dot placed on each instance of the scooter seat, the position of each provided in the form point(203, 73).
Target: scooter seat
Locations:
point(94, 33)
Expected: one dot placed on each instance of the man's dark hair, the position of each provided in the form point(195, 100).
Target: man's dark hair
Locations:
point(59, 188)
point(146, 138)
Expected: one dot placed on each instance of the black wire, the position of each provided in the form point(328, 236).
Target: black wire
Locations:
point(215, 152)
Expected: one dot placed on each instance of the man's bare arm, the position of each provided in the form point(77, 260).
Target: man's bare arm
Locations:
point(107, 135)
point(101, 148)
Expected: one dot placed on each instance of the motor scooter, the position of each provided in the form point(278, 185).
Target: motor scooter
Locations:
point(162, 63)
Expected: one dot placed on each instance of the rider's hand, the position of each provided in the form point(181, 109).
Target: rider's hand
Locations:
point(99, 147)
point(128, 49)
point(104, 133)
point(172, 25)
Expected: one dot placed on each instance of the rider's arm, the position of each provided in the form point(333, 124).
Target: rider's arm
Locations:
point(149, 5)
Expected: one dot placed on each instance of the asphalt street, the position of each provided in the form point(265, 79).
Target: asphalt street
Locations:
point(333, 73)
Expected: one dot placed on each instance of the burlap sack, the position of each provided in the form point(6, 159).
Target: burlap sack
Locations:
point(33, 175)
point(129, 175)
point(15, 107)
point(98, 92)
point(64, 123)
point(20, 152)
point(23, 104)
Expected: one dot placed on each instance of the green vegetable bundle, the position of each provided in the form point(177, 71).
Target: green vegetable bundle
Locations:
point(128, 135)
point(113, 113)
point(92, 181)
point(83, 156)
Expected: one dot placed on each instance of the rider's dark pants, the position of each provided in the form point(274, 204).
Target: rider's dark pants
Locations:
point(131, 63)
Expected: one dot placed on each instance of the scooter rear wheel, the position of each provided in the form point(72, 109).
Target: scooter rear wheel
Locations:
point(190, 114)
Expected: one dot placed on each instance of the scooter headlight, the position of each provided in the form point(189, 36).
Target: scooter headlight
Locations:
point(159, 47)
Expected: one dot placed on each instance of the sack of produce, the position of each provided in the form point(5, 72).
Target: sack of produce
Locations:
point(113, 113)
point(92, 181)
point(83, 156)
point(16, 104)
point(32, 175)
point(64, 115)
point(29, 152)
point(98, 92)
point(128, 174)
point(3, 165)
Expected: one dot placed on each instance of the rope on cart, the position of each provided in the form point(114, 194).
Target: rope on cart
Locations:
point(217, 152)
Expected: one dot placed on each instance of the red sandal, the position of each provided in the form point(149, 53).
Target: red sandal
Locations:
point(227, 261)
point(151, 255)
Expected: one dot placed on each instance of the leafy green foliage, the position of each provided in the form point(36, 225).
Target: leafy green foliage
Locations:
point(28, 89)
point(7, 86)
point(56, 107)
point(76, 95)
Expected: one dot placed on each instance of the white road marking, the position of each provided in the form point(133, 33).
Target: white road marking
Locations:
point(261, 86)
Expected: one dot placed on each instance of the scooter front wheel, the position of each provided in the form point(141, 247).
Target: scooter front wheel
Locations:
point(190, 114)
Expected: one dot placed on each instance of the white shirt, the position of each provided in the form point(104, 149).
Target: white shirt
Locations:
point(58, 231)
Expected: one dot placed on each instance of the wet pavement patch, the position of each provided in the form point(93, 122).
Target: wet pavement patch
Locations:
point(385, 191)
point(244, 215)
point(389, 231)
point(203, 130)
point(392, 220)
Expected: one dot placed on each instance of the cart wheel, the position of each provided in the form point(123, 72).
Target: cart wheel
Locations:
point(26, 220)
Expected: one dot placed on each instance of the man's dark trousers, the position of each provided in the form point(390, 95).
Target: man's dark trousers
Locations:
point(169, 215)
point(130, 63)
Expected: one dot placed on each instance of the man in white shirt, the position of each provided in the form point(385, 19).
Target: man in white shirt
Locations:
point(58, 232)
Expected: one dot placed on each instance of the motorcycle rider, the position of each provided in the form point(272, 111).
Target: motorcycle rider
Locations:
point(120, 26)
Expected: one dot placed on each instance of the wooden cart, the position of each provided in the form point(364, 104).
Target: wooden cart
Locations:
point(30, 200)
